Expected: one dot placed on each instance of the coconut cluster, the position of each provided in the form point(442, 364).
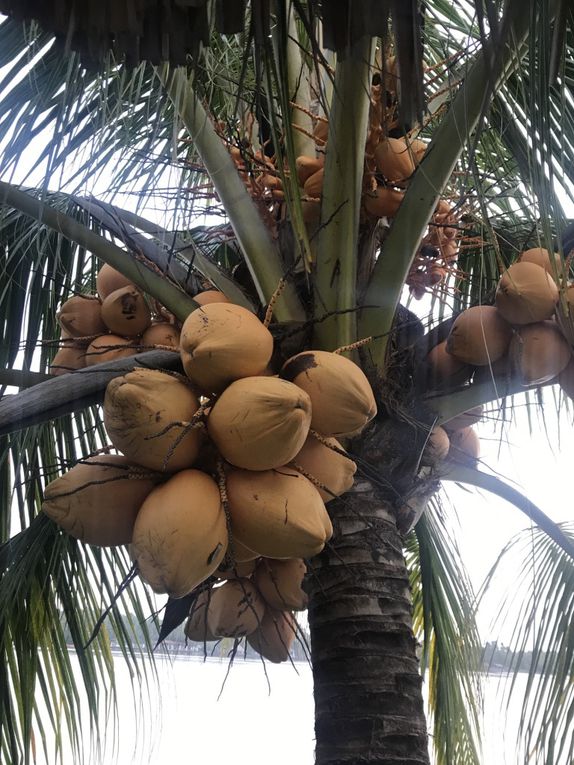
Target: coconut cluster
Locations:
point(231, 469)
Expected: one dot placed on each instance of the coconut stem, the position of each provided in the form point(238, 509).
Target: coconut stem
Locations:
point(195, 422)
point(353, 346)
point(274, 297)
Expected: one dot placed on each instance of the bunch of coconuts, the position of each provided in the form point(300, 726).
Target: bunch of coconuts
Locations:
point(223, 472)
point(524, 336)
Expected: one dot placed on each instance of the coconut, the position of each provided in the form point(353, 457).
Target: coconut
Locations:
point(275, 635)
point(109, 348)
point(436, 448)
point(566, 379)
point(552, 264)
point(81, 316)
point(109, 280)
point(235, 609)
point(161, 333)
point(221, 343)
point(526, 294)
point(210, 296)
point(196, 626)
point(464, 446)
point(68, 358)
point(465, 419)
point(321, 131)
point(238, 571)
point(140, 406)
point(125, 312)
point(444, 370)
point(97, 501)
point(479, 336)
point(311, 211)
point(180, 534)
point(277, 513)
point(396, 160)
point(539, 353)
point(383, 202)
point(259, 423)
point(331, 469)
point(313, 186)
point(280, 583)
point(342, 399)
point(307, 166)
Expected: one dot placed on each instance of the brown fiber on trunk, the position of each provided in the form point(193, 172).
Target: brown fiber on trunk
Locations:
point(367, 683)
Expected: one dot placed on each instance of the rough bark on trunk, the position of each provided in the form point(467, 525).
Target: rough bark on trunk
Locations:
point(367, 683)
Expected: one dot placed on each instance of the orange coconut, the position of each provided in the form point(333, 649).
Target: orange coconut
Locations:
point(526, 294)
point(210, 296)
point(539, 353)
point(396, 159)
point(81, 316)
point(109, 348)
point(313, 186)
point(552, 264)
point(275, 635)
point(68, 358)
point(332, 469)
point(109, 280)
point(280, 583)
point(383, 202)
point(444, 370)
point(125, 312)
point(479, 336)
point(161, 333)
point(307, 166)
point(235, 609)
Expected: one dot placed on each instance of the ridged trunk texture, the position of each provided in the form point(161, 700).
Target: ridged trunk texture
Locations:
point(367, 683)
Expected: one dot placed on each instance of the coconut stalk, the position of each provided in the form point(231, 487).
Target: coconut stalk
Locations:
point(258, 248)
point(173, 298)
point(336, 269)
point(492, 64)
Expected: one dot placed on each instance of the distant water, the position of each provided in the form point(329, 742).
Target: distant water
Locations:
point(182, 720)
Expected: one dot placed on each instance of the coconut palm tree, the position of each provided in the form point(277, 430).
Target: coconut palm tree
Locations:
point(328, 246)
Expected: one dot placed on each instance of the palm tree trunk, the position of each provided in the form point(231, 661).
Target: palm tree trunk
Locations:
point(367, 684)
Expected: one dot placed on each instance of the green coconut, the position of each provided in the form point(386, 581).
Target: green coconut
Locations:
point(235, 609)
point(280, 583)
point(275, 635)
point(526, 294)
point(331, 469)
point(146, 412)
point(259, 423)
point(125, 312)
point(479, 336)
point(180, 534)
point(539, 353)
point(81, 316)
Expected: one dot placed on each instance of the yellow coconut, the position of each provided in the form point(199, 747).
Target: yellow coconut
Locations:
point(221, 343)
point(277, 513)
point(81, 316)
point(274, 637)
point(383, 202)
point(180, 534)
point(68, 358)
point(196, 626)
point(307, 166)
point(109, 348)
point(395, 159)
point(436, 448)
point(259, 423)
point(526, 294)
point(98, 500)
point(552, 264)
point(235, 609)
point(145, 414)
point(280, 583)
point(313, 186)
point(342, 399)
point(210, 296)
point(539, 353)
point(331, 469)
point(161, 333)
point(125, 312)
point(109, 280)
point(464, 446)
point(479, 336)
point(471, 417)
point(444, 370)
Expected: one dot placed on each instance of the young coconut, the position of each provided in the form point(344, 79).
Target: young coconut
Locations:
point(446, 371)
point(97, 501)
point(396, 160)
point(313, 186)
point(464, 446)
point(275, 635)
point(280, 583)
point(146, 412)
point(383, 202)
point(161, 333)
point(180, 534)
point(342, 399)
point(277, 513)
point(436, 448)
point(109, 280)
point(81, 316)
point(307, 166)
point(526, 293)
point(210, 296)
point(539, 353)
point(552, 264)
point(259, 423)
point(196, 626)
point(125, 312)
point(479, 336)
point(331, 469)
point(221, 343)
point(235, 609)
point(68, 358)
point(109, 348)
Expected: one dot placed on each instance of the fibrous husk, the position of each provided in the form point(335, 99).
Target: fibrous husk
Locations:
point(109, 280)
point(97, 501)
point(464, 446)
point(81, 316)
point(526, 294)
point(307, 166)
point(68, 358)
point(436, 448)
point(551, 264)
point(221, 343)
point(196, 627)
point(342, 400)
point(161, 333)
point(180, 534)
point(277, 513)
point(479, 336)
point(397, 159)
point(471, 417)
point(274, 637)
point(280, 583)
point(140, 406)
point(383, 202)
point(235, 609)
point(331, 469)
point(210, 296)
point(259, 423)
point(125, 312)
point(313, 186)
point(109, 348)
point(539, 353)
point(444, 370)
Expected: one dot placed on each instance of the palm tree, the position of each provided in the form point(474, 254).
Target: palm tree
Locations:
point(497, 124)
